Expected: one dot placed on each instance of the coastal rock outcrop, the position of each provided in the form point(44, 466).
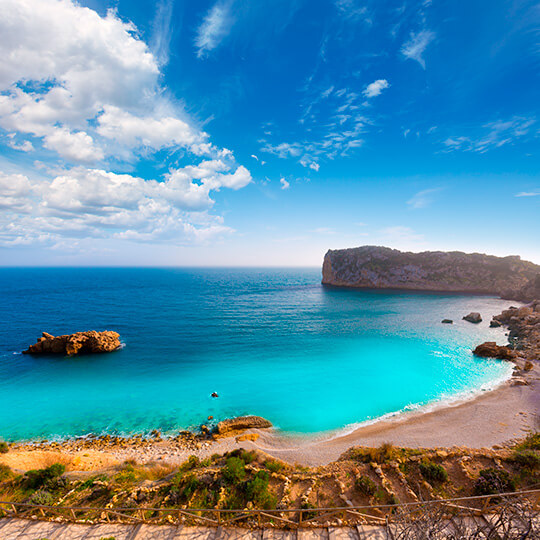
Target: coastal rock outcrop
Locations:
point(232, 426)
point(490, 349)
point(77, 343)
point(376, 267)
point(528, 293)
point(473, 317)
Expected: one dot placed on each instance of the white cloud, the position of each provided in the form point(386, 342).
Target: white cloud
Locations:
point(528, 194)
point(375, 88)
point(492, 135)
point(349, 9)
point(415, 47)
point(147, 131)
point(284, 183)
point(85, 202)
point(422, 198)
point(215, 26)
point(87, 89)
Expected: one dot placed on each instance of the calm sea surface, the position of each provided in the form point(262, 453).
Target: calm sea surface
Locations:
point(270, 342)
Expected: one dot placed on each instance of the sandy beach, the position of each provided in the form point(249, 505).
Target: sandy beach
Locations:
point(493, 419)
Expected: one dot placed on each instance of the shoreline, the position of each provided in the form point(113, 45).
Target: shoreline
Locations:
point(494, 417)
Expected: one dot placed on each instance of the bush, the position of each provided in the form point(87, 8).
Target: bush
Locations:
point(4, 447)
point(5, 472)
point(37, 478)
point(234, 470)
point(257, 491)
point(492, 481)
point(273, 466)
point(433, 472)
point(365, 485)
point(527, 458)
point(386, 452)
point(247, 457)
point(42, 498)
point(192, 463)
point(531, 442)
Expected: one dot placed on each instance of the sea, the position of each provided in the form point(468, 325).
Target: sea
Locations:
point(272, 342)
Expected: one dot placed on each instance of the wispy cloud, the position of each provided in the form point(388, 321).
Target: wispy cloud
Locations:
point(162, 31)
point(349, 9)
point(422, 198)
point(415, 47)
point(492, 135)
point(528, 194)
point(375, 88)
point(284, 183)
point(216, 25)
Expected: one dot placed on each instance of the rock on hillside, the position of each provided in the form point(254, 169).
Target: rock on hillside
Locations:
point(375, 267)
point(80, 342)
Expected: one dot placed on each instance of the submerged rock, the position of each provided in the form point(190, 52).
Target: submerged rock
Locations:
point(495, 323)
point(490, 349)
point(473, 317)
point(234, 425)
point(78, 343)
point(447, 321)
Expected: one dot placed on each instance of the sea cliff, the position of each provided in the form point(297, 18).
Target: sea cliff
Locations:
point(376, 267)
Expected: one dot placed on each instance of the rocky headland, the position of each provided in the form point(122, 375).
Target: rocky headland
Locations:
point(90, 342)
point(375, 267)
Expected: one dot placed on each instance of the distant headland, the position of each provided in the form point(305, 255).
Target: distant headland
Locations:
point(376, 267)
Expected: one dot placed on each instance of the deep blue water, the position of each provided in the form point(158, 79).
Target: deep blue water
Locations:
point(271, 342)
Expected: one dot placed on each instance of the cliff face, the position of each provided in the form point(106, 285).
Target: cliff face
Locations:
point(377, 267)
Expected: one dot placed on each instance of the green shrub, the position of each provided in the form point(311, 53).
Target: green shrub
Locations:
point(234, 470)
point(257, 491)
point(433, 472)
point(531, 442)
point(527, 458)
point(247, 457)
point(37, 478)
point(306, 506)
point(192, 463)
point(492, 481)
point(4, 447)
point(42, 497)
point(365, 485)
point(5, 472)
point(273, 466)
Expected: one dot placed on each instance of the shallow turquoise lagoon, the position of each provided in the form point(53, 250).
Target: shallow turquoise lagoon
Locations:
point(270, 342)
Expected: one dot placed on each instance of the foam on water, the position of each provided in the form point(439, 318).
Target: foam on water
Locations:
point(270, 342)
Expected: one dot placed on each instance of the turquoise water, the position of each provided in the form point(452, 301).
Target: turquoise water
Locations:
point(271, 342)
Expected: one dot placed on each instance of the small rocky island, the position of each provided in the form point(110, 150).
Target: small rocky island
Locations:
point(375, 267)
point(90, 342)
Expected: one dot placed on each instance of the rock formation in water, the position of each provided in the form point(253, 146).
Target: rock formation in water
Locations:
point(233, 426)
point(375, 267)
point(473, 317)
point(490, 349)
point(80, 342)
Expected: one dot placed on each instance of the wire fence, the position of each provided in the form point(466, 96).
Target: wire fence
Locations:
point(517, 509)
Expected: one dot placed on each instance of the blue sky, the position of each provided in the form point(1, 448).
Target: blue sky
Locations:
point(264, 133)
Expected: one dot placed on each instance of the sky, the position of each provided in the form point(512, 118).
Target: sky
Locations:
point(241, 133)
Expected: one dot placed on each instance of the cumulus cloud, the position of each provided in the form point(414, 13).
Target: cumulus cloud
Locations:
point(284, 183)
point(87, 89)
point(215, 26)
point(84, 202)
point(415, 47)
point(375, 88)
